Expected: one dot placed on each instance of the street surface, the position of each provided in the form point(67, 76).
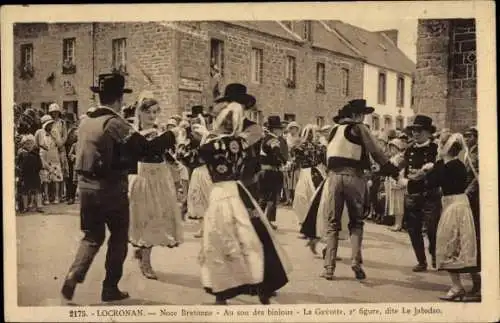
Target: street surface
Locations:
point(47, 244)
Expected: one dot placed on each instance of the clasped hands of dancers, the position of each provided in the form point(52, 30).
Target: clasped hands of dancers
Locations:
point(128, 172)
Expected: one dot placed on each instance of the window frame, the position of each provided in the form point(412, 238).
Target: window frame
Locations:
point(400, 91)
point(121, 64)
point(306, 30)
point(27, 48)
point(320, 76)
point(257, 65)
point(217, 45)
point(344, 82)
point(382, 93)
point(291, 67)
point(400, 121)
point(390, 125)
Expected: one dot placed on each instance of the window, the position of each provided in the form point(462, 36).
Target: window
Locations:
point(257, 65)
point(387, 122)
point(344, 82)
point(291, 72)
point(217, 56)
point(320, 76)
point(375, 122)
point(256, 116)
point(26, 67)
point(71, 107)
point(307, 30)
point(44, 106)
point(400, 123)
point(289, 117)
point(69, 55)
point(400, 96)
point(320, 121)
point(120, 55)
point(381, 88)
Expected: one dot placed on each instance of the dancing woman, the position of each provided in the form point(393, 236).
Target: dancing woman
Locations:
point(309, 154)
point(456, 246)
point(239, 254)
point(155, 218)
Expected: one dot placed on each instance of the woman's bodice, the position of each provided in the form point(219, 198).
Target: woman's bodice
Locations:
point(225, 157)
point(309, 154)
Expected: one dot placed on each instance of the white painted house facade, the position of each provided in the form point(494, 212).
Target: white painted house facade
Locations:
point(387, 75)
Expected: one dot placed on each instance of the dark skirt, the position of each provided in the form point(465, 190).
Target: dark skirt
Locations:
point(275, 276)
point(308, 228)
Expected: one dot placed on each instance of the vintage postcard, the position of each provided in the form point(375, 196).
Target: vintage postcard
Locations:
point(267, 162)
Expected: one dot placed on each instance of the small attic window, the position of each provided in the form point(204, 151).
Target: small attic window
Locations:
point(361, 39)
point(383, 47)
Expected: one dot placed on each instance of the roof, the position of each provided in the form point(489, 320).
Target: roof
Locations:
point(321, 37)
point(376, 48)
point(269, 27)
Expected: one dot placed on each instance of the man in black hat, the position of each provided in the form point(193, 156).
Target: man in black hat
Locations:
point(236, 92)
point(272, 158)
point(350, 145)
point(107, 145)
point(422, 207)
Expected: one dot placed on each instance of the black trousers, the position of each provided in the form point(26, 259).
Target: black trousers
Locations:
point(420, 209)
point(70, 184)
point(100, 209)
point(270, 186)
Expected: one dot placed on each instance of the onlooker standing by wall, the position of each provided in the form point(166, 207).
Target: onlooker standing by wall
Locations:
point(60, 135)
point(29, 164)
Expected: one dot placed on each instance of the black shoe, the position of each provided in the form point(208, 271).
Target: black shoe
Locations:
point(68, 289)
point(420, 268)
point(113, 294)
point(327, 274)
point(359, 272)
point(264, 300)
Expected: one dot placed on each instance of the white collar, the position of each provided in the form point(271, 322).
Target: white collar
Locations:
point(426, 143)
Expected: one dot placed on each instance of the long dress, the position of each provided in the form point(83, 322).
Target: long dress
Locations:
point(456, 247)
point(239, 253)
point(155, 218)
point(309, 156)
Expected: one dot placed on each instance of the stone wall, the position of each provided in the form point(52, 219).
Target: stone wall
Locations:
point(172, 59)
point(445, 80)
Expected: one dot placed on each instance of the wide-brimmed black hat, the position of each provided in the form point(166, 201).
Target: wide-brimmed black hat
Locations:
point(356, 106)
point(110, 83)
point(196, 111)
point(471, 131)
point(422, 122)
point(236, 92)
point(274, 122)
point(341, 114)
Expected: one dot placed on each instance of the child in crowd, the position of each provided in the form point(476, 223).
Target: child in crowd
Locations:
point(29, 164)
point(395, 192)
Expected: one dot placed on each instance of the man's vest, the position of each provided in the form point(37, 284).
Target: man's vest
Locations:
point(346, 150)
point(96, 149)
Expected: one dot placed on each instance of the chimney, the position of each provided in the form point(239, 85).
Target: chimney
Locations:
point(392, 34)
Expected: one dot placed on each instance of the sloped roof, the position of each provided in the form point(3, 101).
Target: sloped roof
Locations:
point(375, 47)
point(321, 37)
point(269, 27)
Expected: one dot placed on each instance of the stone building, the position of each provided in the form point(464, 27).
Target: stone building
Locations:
point(300, 70)
point(445, 79)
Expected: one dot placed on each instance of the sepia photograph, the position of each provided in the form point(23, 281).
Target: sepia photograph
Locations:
point(225, 166)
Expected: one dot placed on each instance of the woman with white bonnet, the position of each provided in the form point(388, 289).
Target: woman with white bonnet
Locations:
point(155, 218)
point(456, 248)
point(60, 133)
point(309, 155)
point(239, 253)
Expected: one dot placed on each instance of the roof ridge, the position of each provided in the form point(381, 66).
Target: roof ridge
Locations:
point(291, 32)
point(341, 38)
